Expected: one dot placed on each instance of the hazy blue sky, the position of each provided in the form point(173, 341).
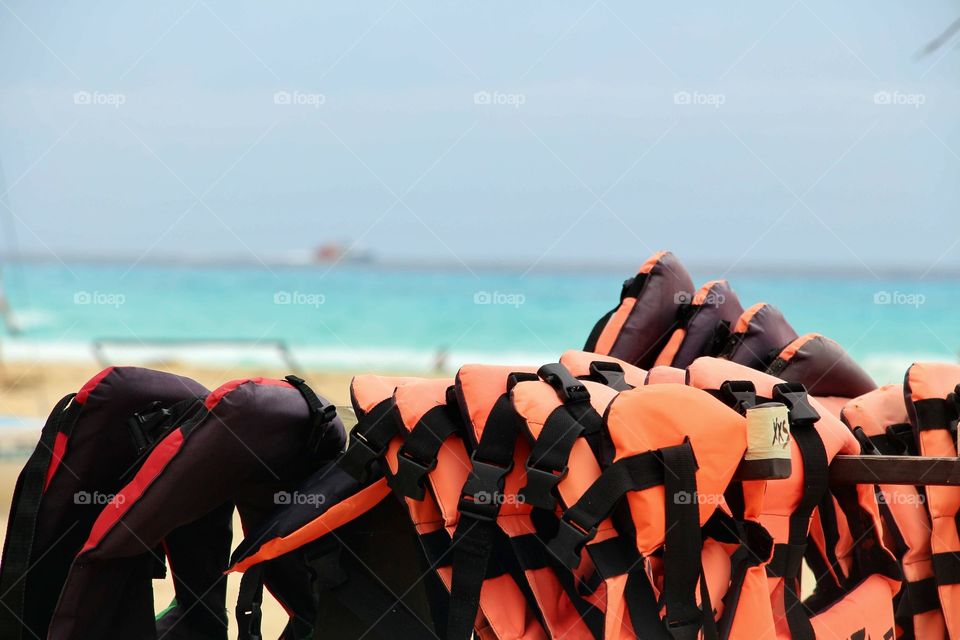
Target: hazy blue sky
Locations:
point(785, 154)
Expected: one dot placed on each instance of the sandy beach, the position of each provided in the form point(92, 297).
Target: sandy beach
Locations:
point(28, 391)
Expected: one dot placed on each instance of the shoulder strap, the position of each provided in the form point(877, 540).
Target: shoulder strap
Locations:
point(418, 455)
point(370, 439)
point(788, 558)
point(478, 508)
point(322, 412)
point(547, 463)
point(24, 510)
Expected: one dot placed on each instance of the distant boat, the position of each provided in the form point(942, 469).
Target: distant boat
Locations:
point(335, 252)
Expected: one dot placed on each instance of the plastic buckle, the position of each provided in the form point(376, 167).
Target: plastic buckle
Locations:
point(540, 484)
point(739, 394)
point(410, 476)
point(610, 373)
point(569, 388)
point(569, 541)
point(359, 457)
point(686, 629)
point(482, 492)
point(143, 423)
point(794, 395)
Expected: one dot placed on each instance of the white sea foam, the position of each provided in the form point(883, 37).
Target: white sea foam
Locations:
point(887, 368)
point(263, 354)
point(884, 367)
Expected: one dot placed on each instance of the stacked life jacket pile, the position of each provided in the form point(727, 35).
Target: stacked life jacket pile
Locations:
point(670, 482)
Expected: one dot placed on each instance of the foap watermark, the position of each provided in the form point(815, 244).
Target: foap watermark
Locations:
point(687, 497)
point(295, 497)
point(98, 498)
point(499, 298)
point(499, 99)
point(699, 99)
point(899, 298)
point(906, 498)
point(100, 298)
point(712, 298)
point(900, 98)
point(497, 498)
point(299, 298)
point(299, 99)
point(99, 99)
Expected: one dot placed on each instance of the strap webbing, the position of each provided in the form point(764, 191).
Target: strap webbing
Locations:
point(472, 546)
point(24, 510)
point(547, 463)
point(937, 413)
point(369, 439)
point(946, 567)
point(579, 522)
point(418, 455)
point(478, 508)
point(682, 544)
point(788, 558)
point(321, 411)
point(249, 604)
point(921, 596)
point(755, 546)
point(644, 609)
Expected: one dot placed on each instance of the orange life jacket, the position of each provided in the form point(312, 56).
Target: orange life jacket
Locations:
point(879, 420)
point(791, 503)
point(931, 392)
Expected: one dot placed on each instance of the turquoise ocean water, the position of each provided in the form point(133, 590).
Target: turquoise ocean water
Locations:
point(371, 317)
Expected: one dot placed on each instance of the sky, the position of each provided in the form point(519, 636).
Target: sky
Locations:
point(800, 133)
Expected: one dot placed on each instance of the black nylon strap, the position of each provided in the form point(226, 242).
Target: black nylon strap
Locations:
point(472, 547)
point(937, 413)
point(682, 545)
point(755, 546)
point(532, 555)
point(579, 523)
point(547, 463)
point(321, 411)
point(644, 609)
point(418, 455)
point(369, 439)
point(24, 510)
point(946, 567)
point(249, 612)
point(614, 557)
point(921, 596)
point(788, 558)
point(478, 508)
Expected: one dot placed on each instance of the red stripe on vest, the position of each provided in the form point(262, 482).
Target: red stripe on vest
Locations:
point(84, 392)
point(121, 503)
